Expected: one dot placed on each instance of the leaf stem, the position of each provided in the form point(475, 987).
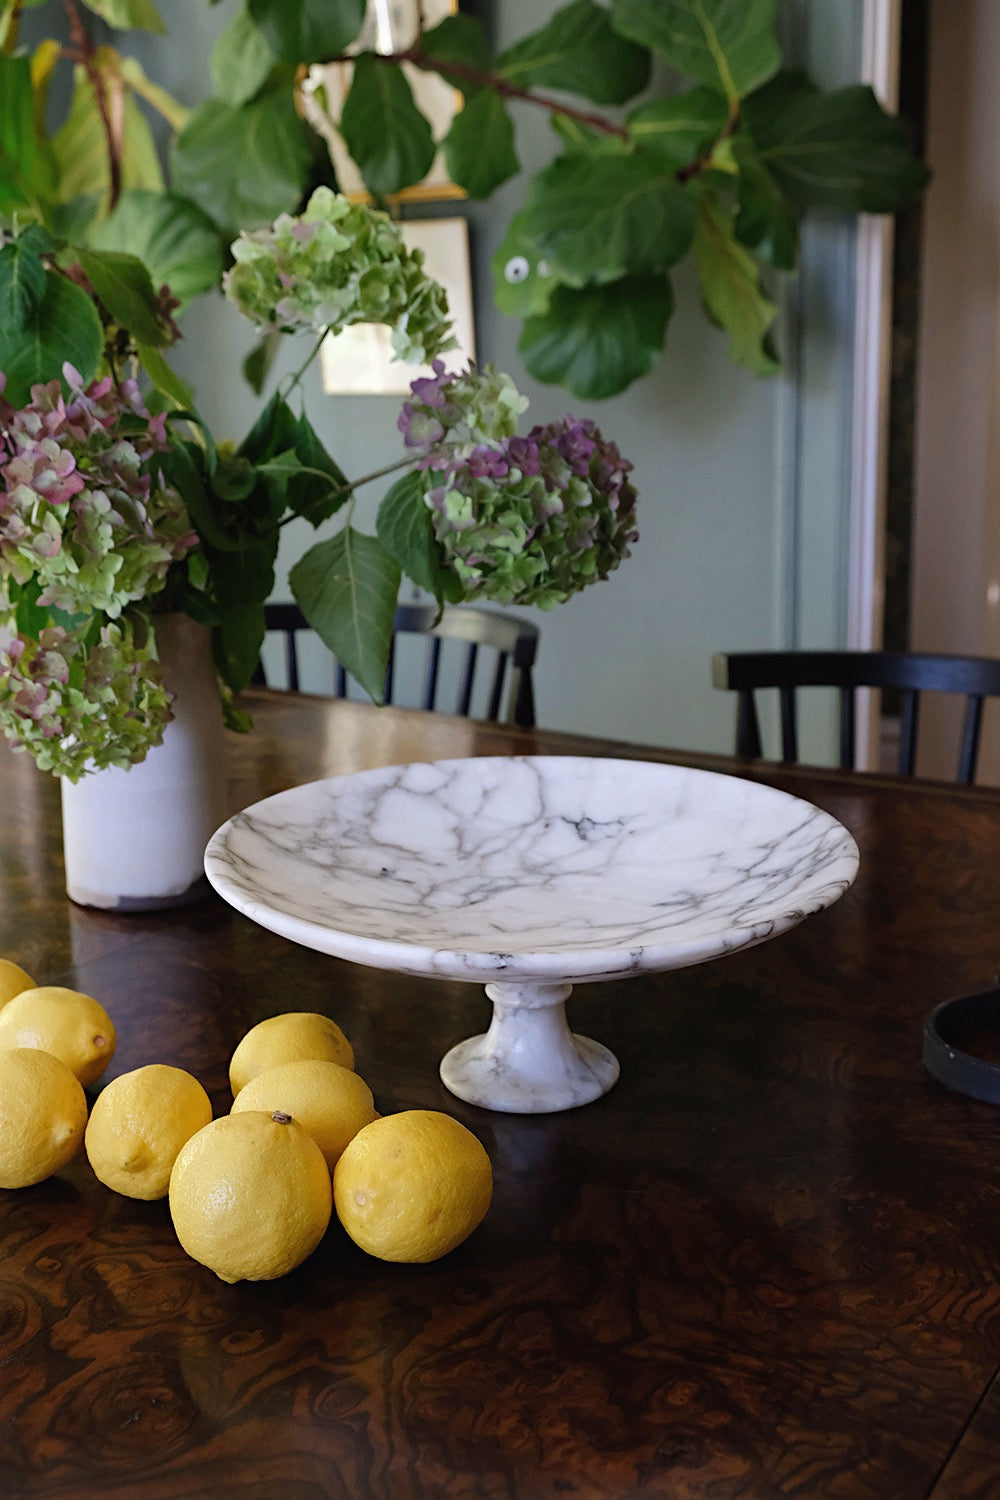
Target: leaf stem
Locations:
point(346, 489)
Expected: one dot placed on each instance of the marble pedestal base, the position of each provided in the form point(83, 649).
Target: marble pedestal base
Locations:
point(529, 1062)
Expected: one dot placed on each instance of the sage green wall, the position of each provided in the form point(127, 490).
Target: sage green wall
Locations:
point(743, 482)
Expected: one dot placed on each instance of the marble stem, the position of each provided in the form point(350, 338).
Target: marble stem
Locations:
point(529, 1062)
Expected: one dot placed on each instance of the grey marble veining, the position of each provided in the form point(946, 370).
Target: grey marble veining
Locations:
point(534, 867)
point(530, 873)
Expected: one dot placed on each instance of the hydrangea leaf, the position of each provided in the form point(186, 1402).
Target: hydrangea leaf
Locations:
point(317, 494)
point(22, 284)
point(388, 137)
point(17, 132)
point(836, 151)
point(245, 165)
point(728, 45)
point(523, 280)
point(171, 235)
point(730, 289)
point(164, 378)
point(678, 129)
point(479, 147)
point(241, 60)
point(597, 341)
point(125, 287)
point(236, 642)
point(347, 587)
point(406, 531)
point(63, 326)
point(306, 31)
point(599, 218)
point(579, 51)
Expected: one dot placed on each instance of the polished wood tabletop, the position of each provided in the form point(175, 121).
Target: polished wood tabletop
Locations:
point(767, 1263)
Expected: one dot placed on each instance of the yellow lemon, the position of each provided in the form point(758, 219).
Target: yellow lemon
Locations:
point(331, 1101)
point(412, 1186)
point(250, 1195)
point(43, 1114)
point(70, 1025)
point(293, 1037)
point(138, 1124)
point(13, 980)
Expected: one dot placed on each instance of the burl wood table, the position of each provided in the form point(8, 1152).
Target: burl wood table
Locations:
point(766, 1263)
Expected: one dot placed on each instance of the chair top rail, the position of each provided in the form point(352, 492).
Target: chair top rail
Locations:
point(930, 671)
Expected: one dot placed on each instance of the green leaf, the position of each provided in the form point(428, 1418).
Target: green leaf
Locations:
point(347, 588)
point(243, 166)
point(458, 39)
point(596, 342)
point(319, 495)
point(306, 31)
point(406, 530)
point(679, 129)
point(241, 60)
point(123, 284)
point(479, 147)
point(64, 326)
point(22, 284)
point(388, 137)
point(259, 362)
point(177, 241)
point(838, 151)
point(129, 15)
point(523, 280)
point(604, 217)
point(728, 45)
point(245, 574)
point(183, 466)
point(766, 221)
point(579, 51)
point(730, 289)
point(175, 113)
point(236, 644)
point(17, 133)
point(163, 377)
point(273, 432)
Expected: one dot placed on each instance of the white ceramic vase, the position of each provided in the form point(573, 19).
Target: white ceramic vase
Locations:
point(134, 840)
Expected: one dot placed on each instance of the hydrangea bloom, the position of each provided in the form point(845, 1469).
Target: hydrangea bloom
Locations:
point(337, 264)
point(81, 511)
point(520, 520)
point(79, 708)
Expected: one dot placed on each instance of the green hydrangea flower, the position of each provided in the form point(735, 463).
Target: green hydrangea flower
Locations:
point(77, 707)
point(337, 264)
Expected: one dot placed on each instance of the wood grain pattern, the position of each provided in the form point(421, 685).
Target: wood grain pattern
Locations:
point(764, 1265)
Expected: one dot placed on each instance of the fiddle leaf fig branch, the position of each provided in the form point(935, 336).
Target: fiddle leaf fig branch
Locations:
point(721, 169)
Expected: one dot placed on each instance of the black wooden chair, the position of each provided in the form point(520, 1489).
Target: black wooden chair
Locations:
point(911, 673)
point(511, 642)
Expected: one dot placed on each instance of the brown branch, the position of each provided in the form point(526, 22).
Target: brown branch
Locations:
point(110, 111)
point(485, 79)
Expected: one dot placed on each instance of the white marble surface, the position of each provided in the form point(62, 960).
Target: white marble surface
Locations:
point(529, 874)
point(544, 867)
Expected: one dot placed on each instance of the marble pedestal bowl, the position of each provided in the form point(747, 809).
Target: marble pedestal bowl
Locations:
point(530, 874)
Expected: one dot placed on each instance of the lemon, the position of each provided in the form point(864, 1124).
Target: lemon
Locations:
point(329, 1100)
point(43, 1114)
point(293, 1037)
point(138, 1124)
point(70, 1025)
point(250, 1195)
point(13, 980)
point(412, 1186)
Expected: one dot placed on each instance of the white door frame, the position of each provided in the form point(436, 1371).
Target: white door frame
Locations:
point(872, 370)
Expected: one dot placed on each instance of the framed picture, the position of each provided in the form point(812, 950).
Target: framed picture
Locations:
point(390, 26)
point(359, 360)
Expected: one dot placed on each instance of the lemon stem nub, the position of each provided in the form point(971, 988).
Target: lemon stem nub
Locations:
point(280, 1118)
